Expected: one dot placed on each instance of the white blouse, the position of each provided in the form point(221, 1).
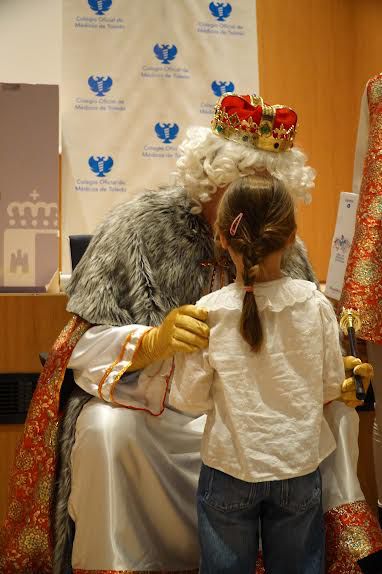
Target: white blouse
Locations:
point(264, 410)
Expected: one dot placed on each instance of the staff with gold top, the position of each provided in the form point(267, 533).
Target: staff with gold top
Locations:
point(350, 323)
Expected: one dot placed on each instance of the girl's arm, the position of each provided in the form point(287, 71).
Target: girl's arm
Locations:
point(191, 385)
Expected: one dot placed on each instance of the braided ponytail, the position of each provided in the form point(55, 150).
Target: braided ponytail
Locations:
point(267, 222)
point(250, 324)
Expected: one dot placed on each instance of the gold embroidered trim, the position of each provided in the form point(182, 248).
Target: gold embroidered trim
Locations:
point(109, 370)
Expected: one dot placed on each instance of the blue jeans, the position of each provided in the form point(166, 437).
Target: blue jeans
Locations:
point(291, 517)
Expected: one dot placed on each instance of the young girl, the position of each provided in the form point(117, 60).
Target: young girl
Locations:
point(273, 361)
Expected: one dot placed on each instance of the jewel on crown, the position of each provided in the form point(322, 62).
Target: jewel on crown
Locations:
point(248, 120)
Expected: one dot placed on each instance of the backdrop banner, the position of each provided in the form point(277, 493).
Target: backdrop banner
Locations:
point(135, 76)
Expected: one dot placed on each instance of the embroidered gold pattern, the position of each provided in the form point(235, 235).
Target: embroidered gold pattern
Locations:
point(363, 279)
point(43, 490)
point(25, 537)
point(25, 460)
point(15, 510)
point(352, 533)
point(33, 541)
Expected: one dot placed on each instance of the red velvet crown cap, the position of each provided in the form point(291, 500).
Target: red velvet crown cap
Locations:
point(242, 106)
point(247, 119)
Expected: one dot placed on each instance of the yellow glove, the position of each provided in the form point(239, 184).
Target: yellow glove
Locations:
point(183, 330)
point(365, 370)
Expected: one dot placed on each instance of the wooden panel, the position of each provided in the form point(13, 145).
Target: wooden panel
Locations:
point(305, 61)
point(367, 43)
point(316, 56)
point(29, 324)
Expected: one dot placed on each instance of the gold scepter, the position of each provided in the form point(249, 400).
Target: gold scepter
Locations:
point(350, 323)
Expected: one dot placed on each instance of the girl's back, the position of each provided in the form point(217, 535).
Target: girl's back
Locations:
point(265, 408)
point(273, 360)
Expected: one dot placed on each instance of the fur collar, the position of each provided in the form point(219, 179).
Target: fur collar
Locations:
point(135, 267)
point(133, 270)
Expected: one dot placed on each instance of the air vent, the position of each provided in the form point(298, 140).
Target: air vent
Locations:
point(16, 390)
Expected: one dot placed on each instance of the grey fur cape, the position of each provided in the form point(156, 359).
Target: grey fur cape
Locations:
point(144, 260)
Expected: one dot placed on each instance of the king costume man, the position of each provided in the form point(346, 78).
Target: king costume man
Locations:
point(104, 481)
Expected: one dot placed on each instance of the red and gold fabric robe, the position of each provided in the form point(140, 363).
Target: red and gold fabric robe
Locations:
point(363, 279)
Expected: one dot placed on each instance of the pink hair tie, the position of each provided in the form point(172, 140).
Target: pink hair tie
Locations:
point(235, 224)
point(248, 289)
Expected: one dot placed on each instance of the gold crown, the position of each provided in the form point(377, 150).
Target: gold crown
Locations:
point(248, 120)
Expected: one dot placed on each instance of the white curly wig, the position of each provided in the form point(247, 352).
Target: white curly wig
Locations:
point(208, 161)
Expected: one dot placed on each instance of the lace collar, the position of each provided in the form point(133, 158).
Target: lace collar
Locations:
point(280, 293)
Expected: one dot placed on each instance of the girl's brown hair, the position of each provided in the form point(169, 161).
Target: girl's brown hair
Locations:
point(267, 223)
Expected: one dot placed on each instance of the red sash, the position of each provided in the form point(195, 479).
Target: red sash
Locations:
point(25, 537)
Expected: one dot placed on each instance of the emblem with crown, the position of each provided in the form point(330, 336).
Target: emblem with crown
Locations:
point(26, 221)
point(248, 120)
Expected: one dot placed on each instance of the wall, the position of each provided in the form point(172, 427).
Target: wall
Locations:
point(30, 41)
point(316, 56)
point(367, 50)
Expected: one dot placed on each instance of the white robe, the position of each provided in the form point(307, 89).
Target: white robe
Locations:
point(134, 475)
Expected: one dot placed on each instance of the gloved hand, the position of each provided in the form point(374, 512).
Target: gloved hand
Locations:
point(183, 330)
point(365, 370)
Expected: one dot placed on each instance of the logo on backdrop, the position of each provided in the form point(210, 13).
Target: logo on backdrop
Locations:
point(100, 85)
point(221, 23)
point(98, 100)
point(166, 132)
point(165, 52)
point(100, 165)
point(100, 6)
point(98, 21)
point(219, 88)
point(220, 10)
